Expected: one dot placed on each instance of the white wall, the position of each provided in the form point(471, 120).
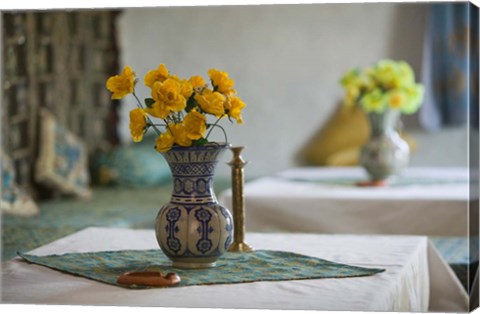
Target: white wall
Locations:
point(444, 148)
point(286, 61)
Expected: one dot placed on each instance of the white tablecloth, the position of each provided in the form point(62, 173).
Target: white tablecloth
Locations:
point(320, 200)
point(415, 276)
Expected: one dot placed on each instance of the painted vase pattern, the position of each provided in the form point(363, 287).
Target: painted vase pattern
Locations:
point(385, 154)
point(193, 229)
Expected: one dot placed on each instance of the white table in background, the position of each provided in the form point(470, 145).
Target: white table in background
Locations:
point(416, 278)
point(320, 200)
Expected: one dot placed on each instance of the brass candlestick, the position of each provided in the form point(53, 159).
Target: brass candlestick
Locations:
point(237, 164)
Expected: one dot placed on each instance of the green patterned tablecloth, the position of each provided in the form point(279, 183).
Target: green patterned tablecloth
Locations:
point(231, 268)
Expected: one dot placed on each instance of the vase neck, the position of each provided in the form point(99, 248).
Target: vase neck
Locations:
point(192, 172)
point(193, 190)
point(383, 123)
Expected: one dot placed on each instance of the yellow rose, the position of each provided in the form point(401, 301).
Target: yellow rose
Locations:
point(211, 102)
point(179, 133)
point(185, 86)
point(197, 82)
point(168, 95)
point(123, 84)
point(195, 125)
point(158, 75)
point(186, 89)
point(234, 107)
point(158, 110)
point(221, 82)
point(164, 142)
point(138, 124)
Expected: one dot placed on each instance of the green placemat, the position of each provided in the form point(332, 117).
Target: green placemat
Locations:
point(231, 268)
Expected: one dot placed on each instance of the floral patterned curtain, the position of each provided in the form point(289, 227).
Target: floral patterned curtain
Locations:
point(450, 69)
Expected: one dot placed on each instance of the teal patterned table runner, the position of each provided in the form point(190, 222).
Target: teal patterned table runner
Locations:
point(461, 253)
point(261, 265)
point(400, 181)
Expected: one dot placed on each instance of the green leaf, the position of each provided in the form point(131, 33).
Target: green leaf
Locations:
point(149, 102)
point(191, 103)
point(200, 142)
point(215, 88)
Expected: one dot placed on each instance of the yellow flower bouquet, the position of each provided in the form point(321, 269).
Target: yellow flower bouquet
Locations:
point(181, 105)
point(387, 85)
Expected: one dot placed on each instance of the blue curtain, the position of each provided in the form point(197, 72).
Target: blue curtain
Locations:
point(450, 65)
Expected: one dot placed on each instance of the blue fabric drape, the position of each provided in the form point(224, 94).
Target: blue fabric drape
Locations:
point(450, 65)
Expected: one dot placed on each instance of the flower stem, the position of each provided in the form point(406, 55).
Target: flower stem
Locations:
point(224, 133)
point(217, 125)
point(168, 126)
point(208, 134)
point(139, 105)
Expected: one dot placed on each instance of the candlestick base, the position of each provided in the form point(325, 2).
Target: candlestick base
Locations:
point(240, 247)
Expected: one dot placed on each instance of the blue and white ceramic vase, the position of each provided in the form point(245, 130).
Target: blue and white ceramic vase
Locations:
point(193, 229)
point(385, 154)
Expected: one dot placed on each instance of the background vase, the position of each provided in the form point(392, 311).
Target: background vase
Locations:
point(386, 153)
point(193, 229)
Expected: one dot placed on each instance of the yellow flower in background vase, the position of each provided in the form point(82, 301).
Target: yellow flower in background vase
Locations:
point(369, 83)
point(352, 82)
point(373, 101)
point(396, 98)
point(138, 123)
point(123, 84)
point(179, 133)
point(195, 125)
point(158, 75)
point(351, 78)
point(404, 77)
point(385, 73)
point(415, 94)
point(221, 81)
point(164, 142)
point(211, 102)
point(386, 85)
point(234, 106)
